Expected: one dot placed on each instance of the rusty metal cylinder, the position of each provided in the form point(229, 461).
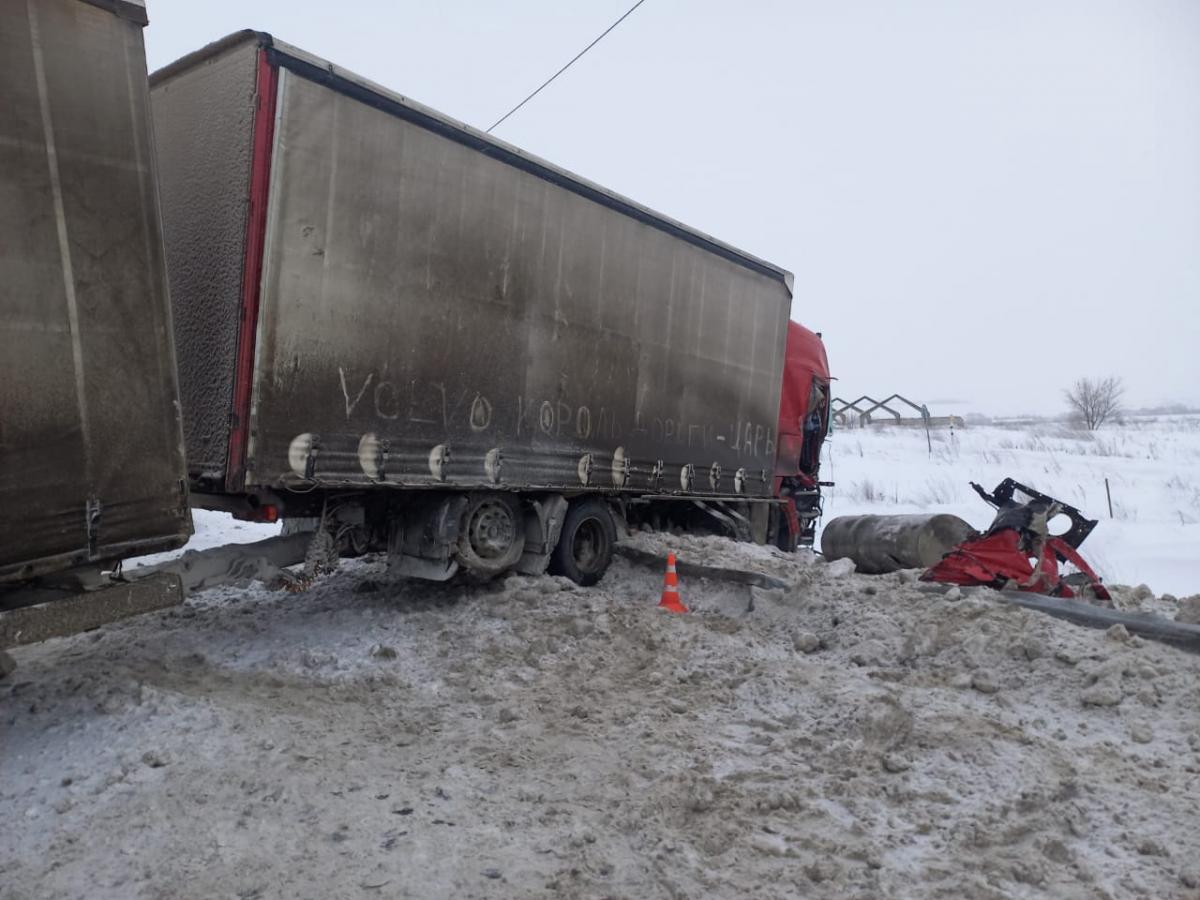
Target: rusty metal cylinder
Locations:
point(879, 544)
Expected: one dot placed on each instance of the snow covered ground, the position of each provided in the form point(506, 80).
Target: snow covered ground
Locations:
point(1152, 465)
point(850, 736)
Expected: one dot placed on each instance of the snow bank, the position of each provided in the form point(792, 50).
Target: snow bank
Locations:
point(848, 736)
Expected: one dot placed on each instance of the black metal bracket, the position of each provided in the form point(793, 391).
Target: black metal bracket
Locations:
point(1002, 499)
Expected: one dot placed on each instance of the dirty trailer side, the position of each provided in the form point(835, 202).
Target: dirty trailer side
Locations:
point(438, 341)
point(91, 448)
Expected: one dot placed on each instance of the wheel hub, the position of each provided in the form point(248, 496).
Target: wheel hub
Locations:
point(491, 530)
point(586, 545)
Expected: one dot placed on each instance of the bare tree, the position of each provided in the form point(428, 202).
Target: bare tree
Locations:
point(1095, 400)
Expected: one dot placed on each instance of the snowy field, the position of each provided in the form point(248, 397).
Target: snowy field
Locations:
point(848, 736)
point(1152, 466)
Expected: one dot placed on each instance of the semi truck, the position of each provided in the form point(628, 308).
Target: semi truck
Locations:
point(259, 283)
point(437, 344)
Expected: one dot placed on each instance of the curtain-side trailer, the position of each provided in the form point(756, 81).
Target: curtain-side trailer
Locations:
point(91, 447)
point(435, 341)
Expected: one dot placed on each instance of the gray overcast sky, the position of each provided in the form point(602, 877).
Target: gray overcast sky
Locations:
point(981, 201)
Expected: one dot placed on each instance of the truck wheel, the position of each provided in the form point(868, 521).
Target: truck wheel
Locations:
point(585, 547)
point(492, 537)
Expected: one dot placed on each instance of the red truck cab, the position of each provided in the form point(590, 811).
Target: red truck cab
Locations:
point(803, 425)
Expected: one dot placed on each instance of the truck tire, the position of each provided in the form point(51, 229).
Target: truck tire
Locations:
point(492, 537)
point(585, 547)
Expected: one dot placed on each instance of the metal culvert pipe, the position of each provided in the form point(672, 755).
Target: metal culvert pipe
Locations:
point(879, 544)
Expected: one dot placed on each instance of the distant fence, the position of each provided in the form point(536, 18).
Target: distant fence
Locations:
point(869, 411)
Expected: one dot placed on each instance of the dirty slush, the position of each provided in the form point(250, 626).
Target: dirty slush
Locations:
point(848, 736)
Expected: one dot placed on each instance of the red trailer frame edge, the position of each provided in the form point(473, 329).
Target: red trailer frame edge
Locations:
point(265, 99)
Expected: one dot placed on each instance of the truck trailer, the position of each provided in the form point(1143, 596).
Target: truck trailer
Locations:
point(91, 443)
point(430, 341)
point(91, 446)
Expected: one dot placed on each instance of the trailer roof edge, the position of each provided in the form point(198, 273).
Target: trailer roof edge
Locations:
point(314, 68)
point(132, 10)
point(207, 52)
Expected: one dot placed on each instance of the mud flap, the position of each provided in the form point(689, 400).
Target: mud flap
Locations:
point(543, 524)
point(422, 543)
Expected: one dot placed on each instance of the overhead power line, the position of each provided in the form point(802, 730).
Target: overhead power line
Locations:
point(568, 65)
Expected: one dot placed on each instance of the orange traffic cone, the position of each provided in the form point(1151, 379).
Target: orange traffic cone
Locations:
point(670, 596)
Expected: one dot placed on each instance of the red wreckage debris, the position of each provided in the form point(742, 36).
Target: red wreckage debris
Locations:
point(1018, 552)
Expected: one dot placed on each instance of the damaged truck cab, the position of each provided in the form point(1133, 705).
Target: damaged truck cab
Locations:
point(803, 426)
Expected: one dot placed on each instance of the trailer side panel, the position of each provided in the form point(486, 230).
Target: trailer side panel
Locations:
point(203, 120)
point(429, 312)
point(438, 308)
point(91, 457)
